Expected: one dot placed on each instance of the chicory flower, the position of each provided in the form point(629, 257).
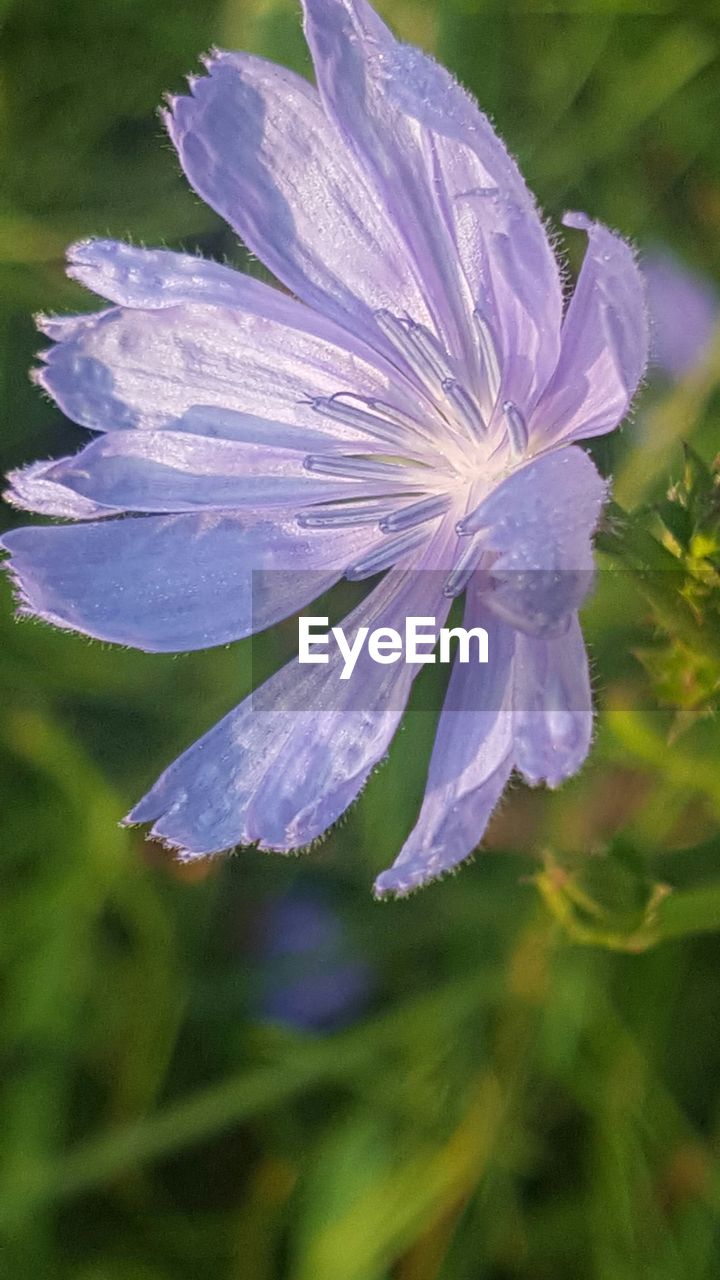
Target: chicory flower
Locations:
point(416, 405)
point(684, 311)
point(311, 979)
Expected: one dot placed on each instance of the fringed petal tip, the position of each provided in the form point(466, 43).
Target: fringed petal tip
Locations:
point(14, 495)
point(604, 340)
point(95, 254)
point(614, 241)
point(48, 326)
point(141, 815)
point(566, 751)
point(12, 498)
point(551, 782)
point(25, 609)
point(146, 811)
point(215, 54)
point(577, 221)
point(402, 881)
point(211, 62)
point(79, 249)
point(165, 113)
point(28, 610)
point(33, 488)
point(179, 853)
point(59, 328)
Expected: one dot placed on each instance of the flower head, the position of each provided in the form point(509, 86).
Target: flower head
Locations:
point(415, 406)
point(684, 310)
point(310, 977)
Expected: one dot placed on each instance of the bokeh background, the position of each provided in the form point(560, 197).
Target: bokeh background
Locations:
point(248, 1069)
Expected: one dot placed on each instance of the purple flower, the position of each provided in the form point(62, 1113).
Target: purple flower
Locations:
point(416, 404)
point(684, 310)
point(311, 978)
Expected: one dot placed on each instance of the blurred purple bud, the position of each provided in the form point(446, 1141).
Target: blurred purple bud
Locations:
point(684, 309)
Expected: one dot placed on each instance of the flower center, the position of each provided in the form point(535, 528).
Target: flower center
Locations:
point(449, 452)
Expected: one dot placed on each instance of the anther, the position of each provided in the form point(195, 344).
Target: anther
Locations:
point(466, 564)
point(385, 554)
point(516, 428)
point(358, 468)
point(415, 514)
point(375, 417)
point(488, 353)
point(344, 515)
point(465, 407)
point(417, 347)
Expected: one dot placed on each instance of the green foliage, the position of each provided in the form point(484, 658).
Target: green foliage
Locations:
point(530, 1094)
point(679, 575)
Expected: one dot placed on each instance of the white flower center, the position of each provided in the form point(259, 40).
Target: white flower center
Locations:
point(450, 454)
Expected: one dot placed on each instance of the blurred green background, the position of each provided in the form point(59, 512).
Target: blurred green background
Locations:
point(528, 1088)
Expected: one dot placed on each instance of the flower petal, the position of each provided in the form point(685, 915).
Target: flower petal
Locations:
point(286, 763)
point(539, 523)
point(457, 197)
point(204, 369)
point(174, 583)
point(604, 343)
point(170, 471)
point(155, 279)
point(256, 145)
point(35, 488)
point(553, 706)
point(471, 762)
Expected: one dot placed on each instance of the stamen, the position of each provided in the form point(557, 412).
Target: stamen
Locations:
point(398, 418)
point(433, 368)
point(489, 357)
point(359, 468)
point(417, 513)
point(466, 564)
point(431, 349)
point(471, 523)
point(385, 554)
point(344, 515)
point(516, 428)
point(379, 419)
point(465, 406)
point(417, 348)
point(352, 416)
